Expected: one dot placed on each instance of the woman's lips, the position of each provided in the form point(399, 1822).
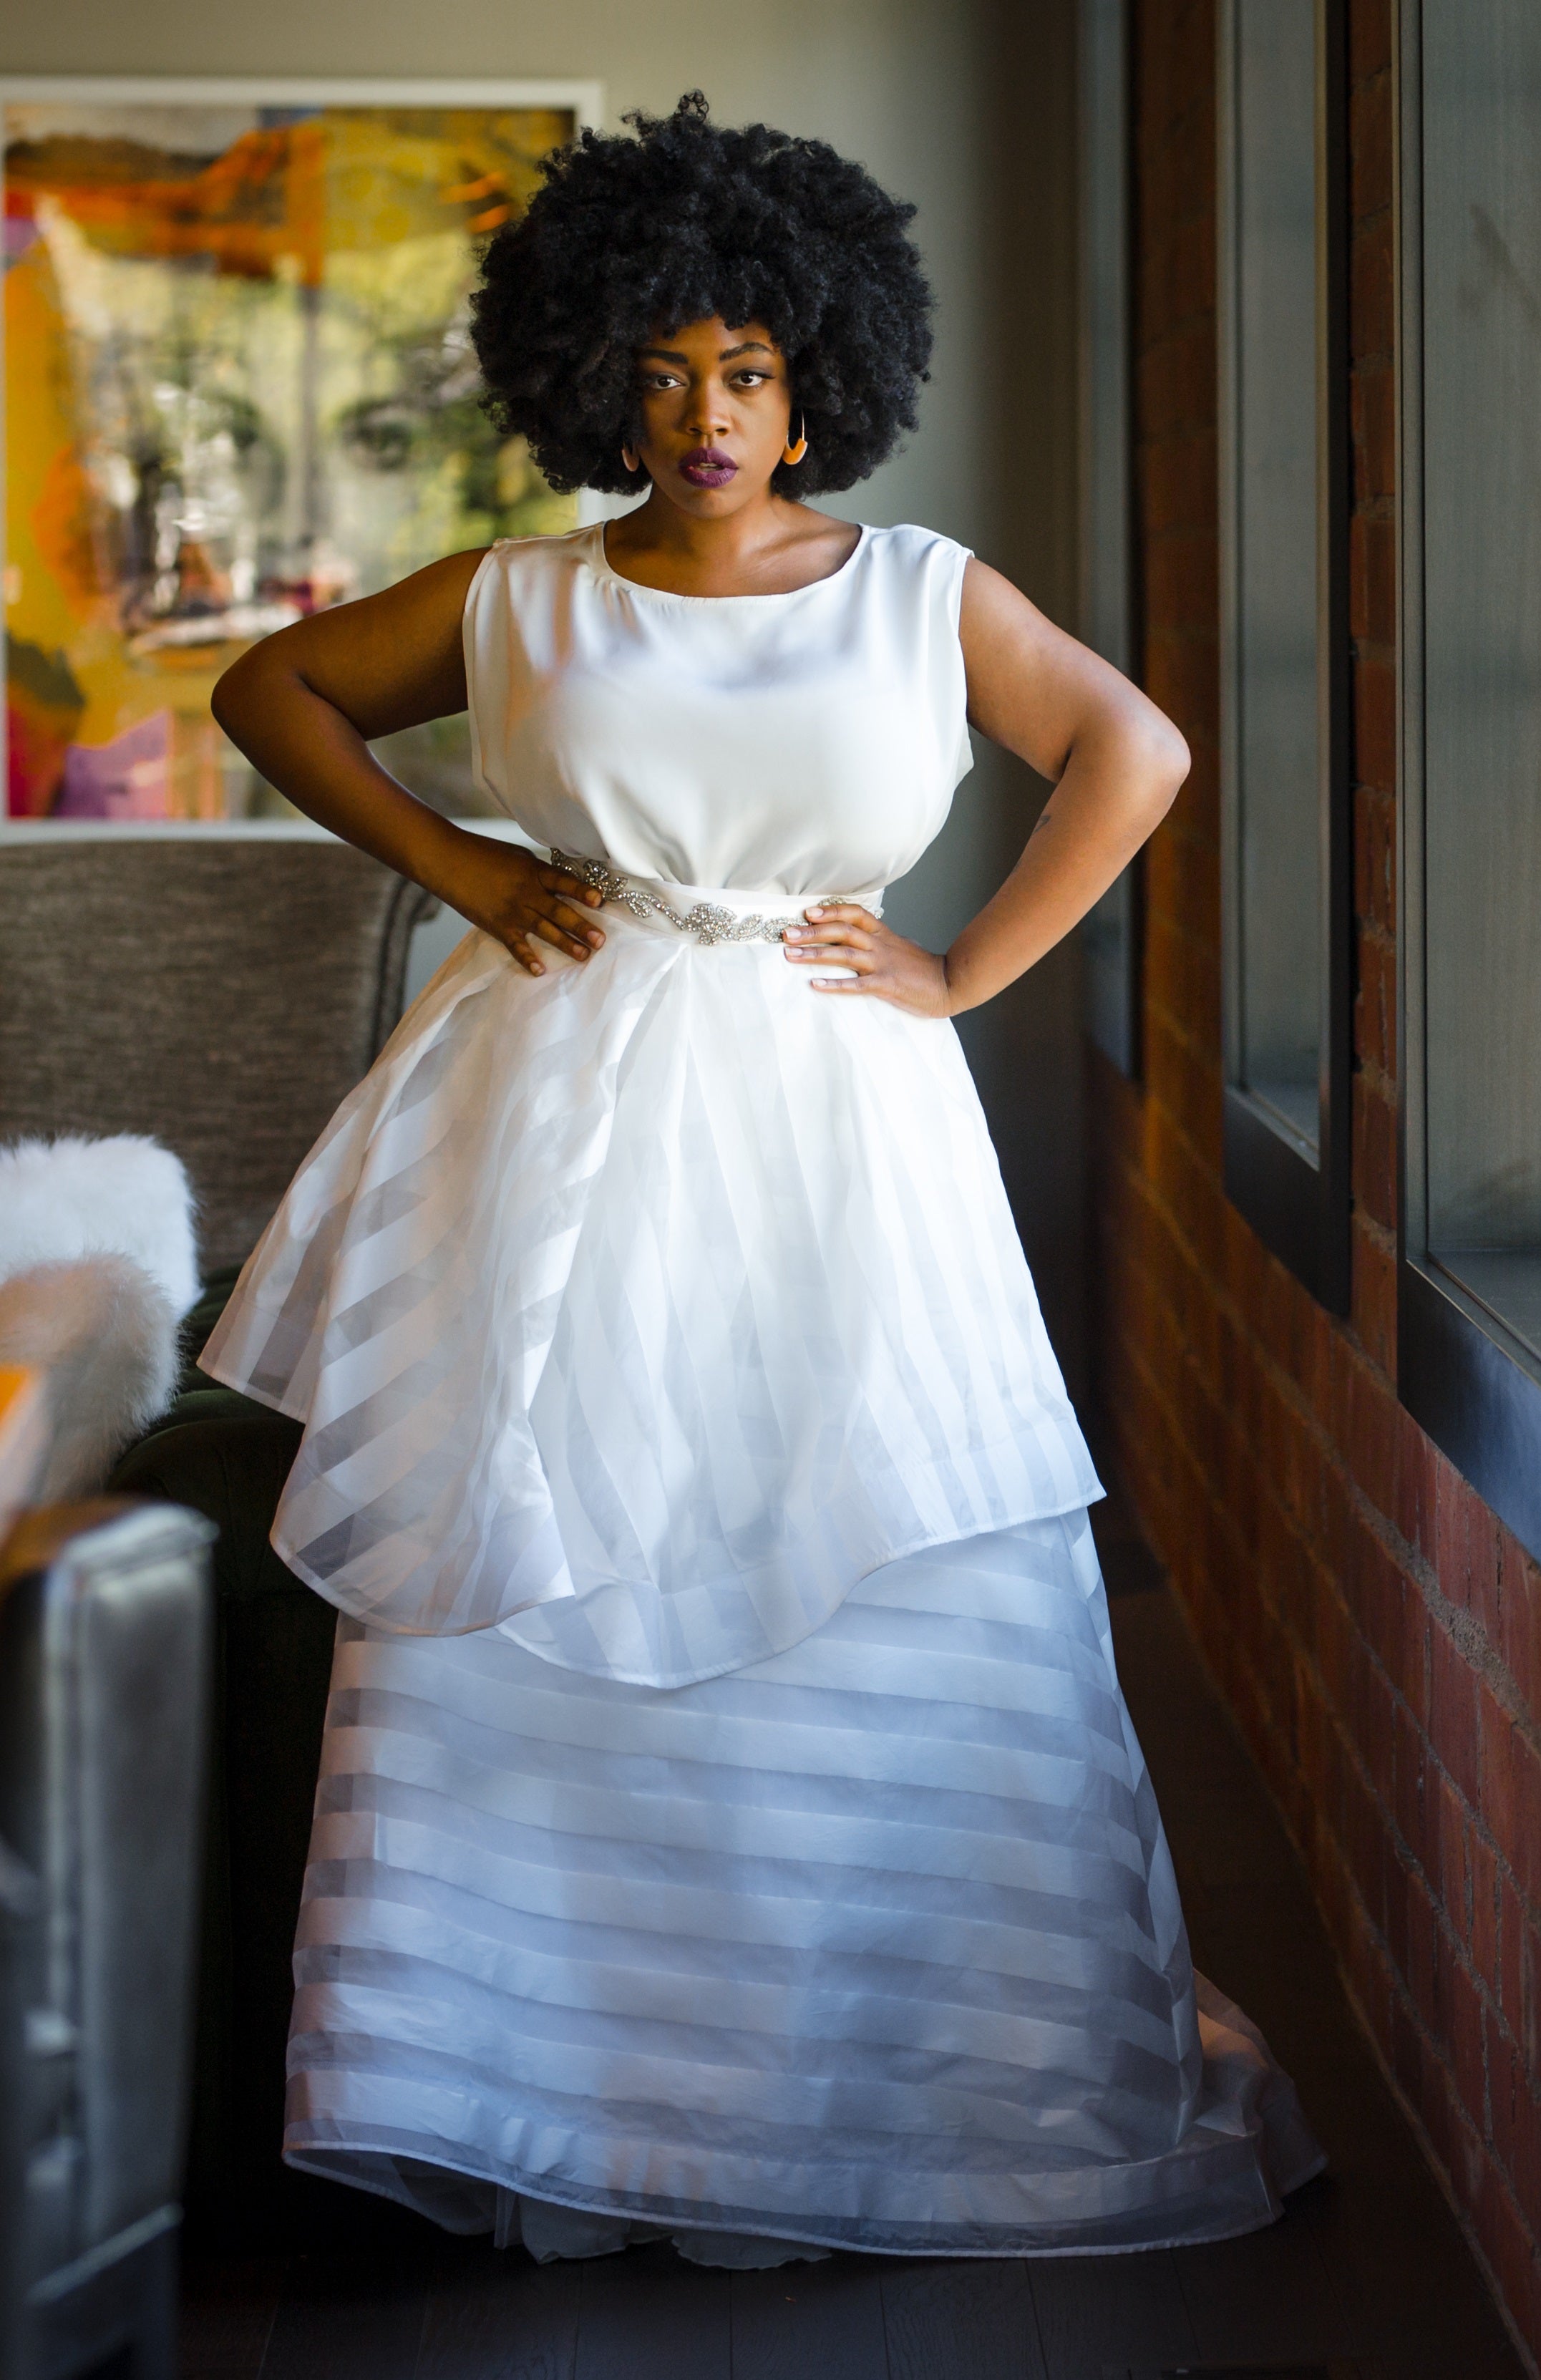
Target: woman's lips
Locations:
point(708, 468)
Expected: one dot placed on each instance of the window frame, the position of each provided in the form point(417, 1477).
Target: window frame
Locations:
point(1112, 933)
point(1300, 1211)
point(1464, 1376)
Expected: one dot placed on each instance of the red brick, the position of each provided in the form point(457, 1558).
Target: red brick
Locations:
point(1183, 881)
point(1511, 2250)
point(1369, 30)
point(1372, 305)
point(1530, 2013)
point(1466, 1550)
point(1372, 579)
point(1181, 674)
point(1187, 1087)
point(1375, 1153)
point(1375, 898)
point(1452, 1845)
point(1302, 1511)
point(1411, 1783)
point(1175, 62)
point(1519, 1629)
point(1406, 2050)
point(1497, 1759)
point(1464, 2016)
point(1417, 1480)
point(1371, 1436)
point(1516, 2123)
point(1176, 270)
point(1523, 1843)
point(1178, 484)
point(1372, 414)
point(1365, 1840)
point(1512, 1957)
point(1423, 1928)
point(1371, 174)
point(1454, 1729)
point(1181, 574)
point(1415, 1670)
point(1174, 382)
point(1482, 1942)
point(1375, 1008)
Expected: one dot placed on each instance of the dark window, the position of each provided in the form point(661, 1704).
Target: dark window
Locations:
point(1470, 941)
point(1286, 911)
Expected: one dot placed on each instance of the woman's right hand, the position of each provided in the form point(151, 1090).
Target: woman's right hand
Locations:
point(522, 901)
point(304, 705)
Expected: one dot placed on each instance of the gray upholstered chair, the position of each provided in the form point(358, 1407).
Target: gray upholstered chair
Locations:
point(223, 996)
point(220, 994)
point(104, 1657)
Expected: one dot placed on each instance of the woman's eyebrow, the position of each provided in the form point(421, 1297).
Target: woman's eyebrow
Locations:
point(673, 356)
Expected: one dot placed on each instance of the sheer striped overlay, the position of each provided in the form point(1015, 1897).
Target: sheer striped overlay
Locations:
point(875, 1944)
point(659, 1282)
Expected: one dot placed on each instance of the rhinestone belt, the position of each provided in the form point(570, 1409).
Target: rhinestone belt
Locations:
point(704, 918)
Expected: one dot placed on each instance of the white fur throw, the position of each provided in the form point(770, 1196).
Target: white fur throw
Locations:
point(106, 1335)
point(98, 1263)
point(124, 1196)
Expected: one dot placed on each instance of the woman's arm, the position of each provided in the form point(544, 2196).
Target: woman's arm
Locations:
point(304, 704)
point(1116, 763)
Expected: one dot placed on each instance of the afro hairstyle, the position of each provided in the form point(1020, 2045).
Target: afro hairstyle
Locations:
point(685, 221)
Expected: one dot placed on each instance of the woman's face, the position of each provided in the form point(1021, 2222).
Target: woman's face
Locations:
point(716, 408)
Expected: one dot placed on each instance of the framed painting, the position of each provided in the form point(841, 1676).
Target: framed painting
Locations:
point(239, 387)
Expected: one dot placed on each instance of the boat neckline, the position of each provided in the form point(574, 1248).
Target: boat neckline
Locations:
point(604, 568)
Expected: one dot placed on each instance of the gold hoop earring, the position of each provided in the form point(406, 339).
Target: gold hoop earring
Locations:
point(631, 458)
point(794, 453)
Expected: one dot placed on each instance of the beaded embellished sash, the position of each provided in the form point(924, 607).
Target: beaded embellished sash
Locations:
point(704, 919)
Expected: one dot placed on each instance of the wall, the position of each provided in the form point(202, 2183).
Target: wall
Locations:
point(964, 106)
point(1378, 1632)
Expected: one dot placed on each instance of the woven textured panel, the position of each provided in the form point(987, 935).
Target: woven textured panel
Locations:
point(223, 996)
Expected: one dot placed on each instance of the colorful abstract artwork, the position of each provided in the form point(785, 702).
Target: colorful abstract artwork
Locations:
point(238, 387)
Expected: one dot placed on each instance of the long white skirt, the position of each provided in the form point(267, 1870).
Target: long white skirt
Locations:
point(875, 1944)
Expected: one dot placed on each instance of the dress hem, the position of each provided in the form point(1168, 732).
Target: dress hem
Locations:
point(324, 2166)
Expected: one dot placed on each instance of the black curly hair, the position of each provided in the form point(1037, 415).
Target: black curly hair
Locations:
point(682, 221)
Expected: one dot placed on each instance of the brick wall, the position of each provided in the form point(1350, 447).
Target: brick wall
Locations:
point(1376, 1629)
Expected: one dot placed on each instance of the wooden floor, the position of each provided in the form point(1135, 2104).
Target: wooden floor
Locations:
point(1368, 2275)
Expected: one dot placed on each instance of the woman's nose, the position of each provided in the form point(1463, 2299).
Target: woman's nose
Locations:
point(708, 410)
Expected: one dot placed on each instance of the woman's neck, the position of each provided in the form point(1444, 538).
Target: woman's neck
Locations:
point(769, 546)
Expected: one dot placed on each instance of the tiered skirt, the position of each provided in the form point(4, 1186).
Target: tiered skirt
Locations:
point(875, 1944)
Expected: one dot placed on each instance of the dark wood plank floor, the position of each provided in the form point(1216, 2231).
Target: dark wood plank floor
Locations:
point(1367, 2277)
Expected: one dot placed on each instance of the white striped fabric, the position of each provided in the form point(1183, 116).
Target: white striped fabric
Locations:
point(874, 1944)
point(658, 1281)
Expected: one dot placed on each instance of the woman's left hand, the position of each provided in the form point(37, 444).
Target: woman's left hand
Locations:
point(884, 966)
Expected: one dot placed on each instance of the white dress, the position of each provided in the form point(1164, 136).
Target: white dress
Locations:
point(729, 1822)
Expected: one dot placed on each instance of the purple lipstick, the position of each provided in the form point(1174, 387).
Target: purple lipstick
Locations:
point(707, 467)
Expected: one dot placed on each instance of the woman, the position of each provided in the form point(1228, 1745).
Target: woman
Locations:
point(729, 1822)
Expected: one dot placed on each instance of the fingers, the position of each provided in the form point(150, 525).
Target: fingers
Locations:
point(859, 955)
point(571, 923)
point(843, 936)
point(575, 944)
point(518, 948)
point(572, 887)
point(844, 918)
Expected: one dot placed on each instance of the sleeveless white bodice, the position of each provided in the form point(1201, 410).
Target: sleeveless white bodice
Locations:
point(641, 1308)
point(802, 744)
